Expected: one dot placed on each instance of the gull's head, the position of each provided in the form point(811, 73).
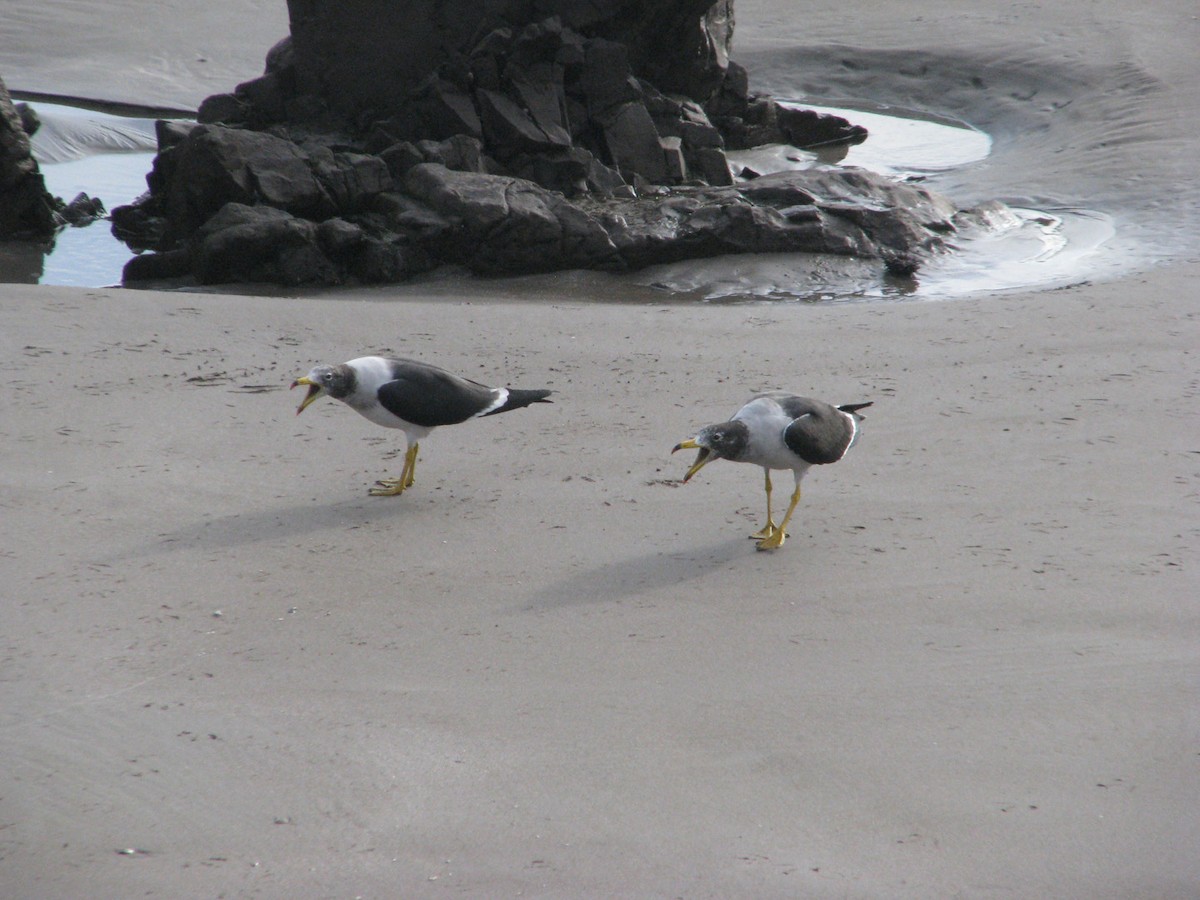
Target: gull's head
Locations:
point(336, 381)
point(724, 441)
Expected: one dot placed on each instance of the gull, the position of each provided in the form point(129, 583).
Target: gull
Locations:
point(778, 430)
point(413, 396)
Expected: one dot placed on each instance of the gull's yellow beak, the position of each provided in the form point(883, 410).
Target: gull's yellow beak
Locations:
point(703, 458)
point(314, 391)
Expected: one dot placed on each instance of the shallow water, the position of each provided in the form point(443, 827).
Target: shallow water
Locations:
point(1033, 247)
point(108, 157)
point(902, 144)
point(101, 155)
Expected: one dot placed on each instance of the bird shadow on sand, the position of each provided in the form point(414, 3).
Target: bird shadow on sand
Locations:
point(217, 533)
point(647, 573)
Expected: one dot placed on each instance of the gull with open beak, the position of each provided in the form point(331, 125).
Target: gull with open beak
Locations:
point(778, 430)
point(412, 396)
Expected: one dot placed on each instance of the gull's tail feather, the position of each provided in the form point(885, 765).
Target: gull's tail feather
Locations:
point(853, 408)
point(518, 398)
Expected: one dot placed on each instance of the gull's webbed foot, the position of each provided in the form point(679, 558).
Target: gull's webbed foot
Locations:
point(772, 541)
point(389, 487)
point(775, 541)
point(766, 531)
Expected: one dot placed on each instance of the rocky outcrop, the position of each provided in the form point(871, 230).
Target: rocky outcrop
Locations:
point(236, 205)
point(596, 97)
point(27, 209)
point(785, 212)
point(379, 144)
point(28, 212)
point(364, 56)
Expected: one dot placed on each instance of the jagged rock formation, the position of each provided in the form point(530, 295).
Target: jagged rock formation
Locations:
point(593, 97)
point(505, 136)
point(27, 210)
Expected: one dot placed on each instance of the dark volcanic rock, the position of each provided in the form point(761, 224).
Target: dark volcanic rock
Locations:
point(350, 180)
point(366, 55)
point(506, 137)
point(259, 243)
point(807, 129)
point(27, 209)
point(408, 216)
point(503, 225)
point(215, 165)
point(783, 212)
point(158, 266)
point(82, 210)
point(606, 81)
point(461, 153)
point(443, 110)
point(542, 88)
point(296, 214)
point(508, 125)
point(633, 143)
point(29, 212)
point(223, 109)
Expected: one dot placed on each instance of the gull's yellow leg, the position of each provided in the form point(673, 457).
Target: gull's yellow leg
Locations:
point(410, 462)
point(390, 487)
point(775, 540)
point(770, 528)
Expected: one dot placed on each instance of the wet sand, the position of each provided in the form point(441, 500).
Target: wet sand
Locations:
point(551, 670)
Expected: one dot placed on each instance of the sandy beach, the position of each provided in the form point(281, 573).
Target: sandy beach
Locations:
point(550, 669)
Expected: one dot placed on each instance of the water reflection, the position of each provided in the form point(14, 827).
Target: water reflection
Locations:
point(82, 151)
point(900, 145)
point(23, 262)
